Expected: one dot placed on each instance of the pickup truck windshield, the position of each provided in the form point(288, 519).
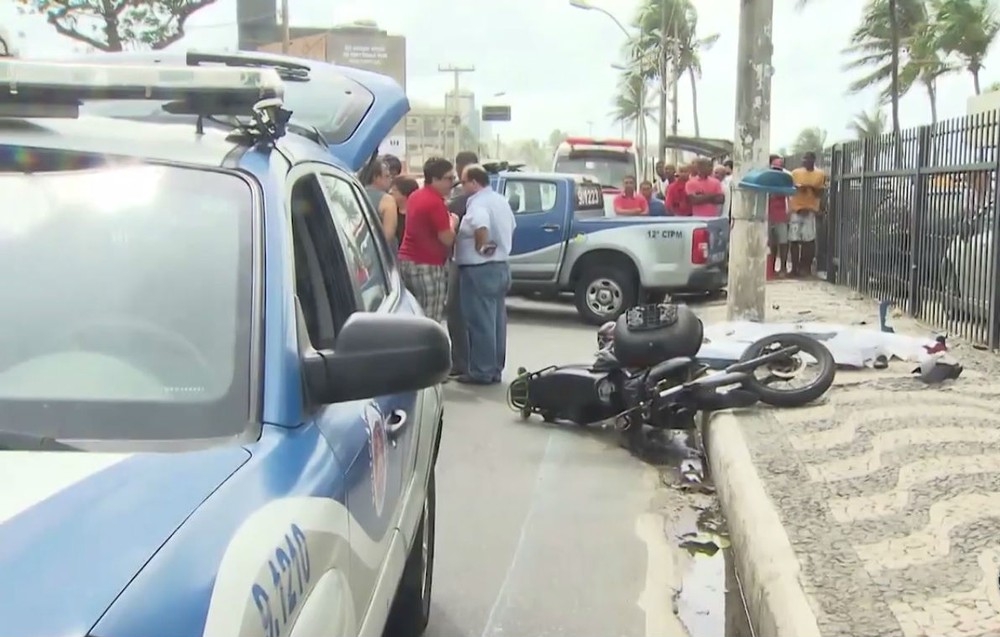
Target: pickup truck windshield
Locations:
point(126, 310)
point(607, 170)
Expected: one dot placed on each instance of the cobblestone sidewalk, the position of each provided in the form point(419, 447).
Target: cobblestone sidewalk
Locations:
point(889, 490)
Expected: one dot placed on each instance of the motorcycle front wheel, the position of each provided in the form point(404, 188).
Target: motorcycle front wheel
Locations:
point(788, 367)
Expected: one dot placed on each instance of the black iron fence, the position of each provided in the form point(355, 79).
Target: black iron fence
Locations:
point(913, 221)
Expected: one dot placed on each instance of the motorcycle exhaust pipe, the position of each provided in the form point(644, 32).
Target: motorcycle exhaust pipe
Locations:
point(712, 381)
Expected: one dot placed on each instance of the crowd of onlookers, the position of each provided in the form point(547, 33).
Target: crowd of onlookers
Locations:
point(704, 189)
point(452, 238)
point(698, 189)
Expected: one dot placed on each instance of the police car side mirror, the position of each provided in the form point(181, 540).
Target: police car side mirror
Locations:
point(378, 354)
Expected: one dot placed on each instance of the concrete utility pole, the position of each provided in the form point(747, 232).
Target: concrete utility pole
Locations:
point(286, 29)
point(748, 242)
point(456, 72)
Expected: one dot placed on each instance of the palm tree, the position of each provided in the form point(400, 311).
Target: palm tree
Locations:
point(993, 86)
point(662, 25)
point(628, 108)
point(872, 51)
point(924, 63)
point(690, 61)
point(810, 140)
point(890, 10)
point(967, 30)
point(868, 124)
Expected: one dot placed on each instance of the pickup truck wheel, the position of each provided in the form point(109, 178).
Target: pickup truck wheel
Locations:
point(411, 609)
point(603, 293)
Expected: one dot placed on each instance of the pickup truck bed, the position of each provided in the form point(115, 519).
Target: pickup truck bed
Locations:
point(564, 242)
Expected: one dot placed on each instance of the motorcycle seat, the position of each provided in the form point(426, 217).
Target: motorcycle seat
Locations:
point(669, 367)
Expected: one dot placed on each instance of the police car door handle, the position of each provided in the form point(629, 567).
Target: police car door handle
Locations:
point(550, 227)
point(395, 423)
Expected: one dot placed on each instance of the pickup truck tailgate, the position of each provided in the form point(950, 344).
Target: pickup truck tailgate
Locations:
point(718, 238)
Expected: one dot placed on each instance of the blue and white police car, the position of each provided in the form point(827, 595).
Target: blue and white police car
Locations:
point(219, 408)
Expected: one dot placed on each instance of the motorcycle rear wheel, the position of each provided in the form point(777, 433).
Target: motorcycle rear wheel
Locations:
point(798, 396)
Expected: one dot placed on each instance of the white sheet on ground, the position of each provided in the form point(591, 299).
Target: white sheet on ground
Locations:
point(850, 346)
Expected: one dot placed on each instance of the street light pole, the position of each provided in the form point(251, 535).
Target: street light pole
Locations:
point(456, 72)
point(286, 29)
point(748, 240)
point(585, 5)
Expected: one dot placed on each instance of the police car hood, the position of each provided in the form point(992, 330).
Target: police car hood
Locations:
point(76, 527)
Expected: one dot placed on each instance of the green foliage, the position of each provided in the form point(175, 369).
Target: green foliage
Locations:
point(966, 29)
point(869, 124)
point(628, 107)
point(870, 46)
point(117, 25)
point(810, 139)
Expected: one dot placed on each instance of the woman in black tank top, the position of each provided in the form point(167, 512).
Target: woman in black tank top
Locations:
point(402, 187)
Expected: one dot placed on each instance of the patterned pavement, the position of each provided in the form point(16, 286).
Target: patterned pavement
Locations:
point(889, 490)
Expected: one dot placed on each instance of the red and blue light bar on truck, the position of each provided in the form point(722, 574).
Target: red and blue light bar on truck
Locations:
point(593, 141)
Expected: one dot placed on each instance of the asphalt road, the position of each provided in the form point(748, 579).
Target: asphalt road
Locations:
point(550, 530)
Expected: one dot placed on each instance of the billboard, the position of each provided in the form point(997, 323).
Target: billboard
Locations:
point(359, 47)
point(372, 50)
point(257, 22)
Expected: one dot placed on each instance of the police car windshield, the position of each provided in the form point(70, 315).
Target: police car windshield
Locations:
point(126, 311)
point(605, 170)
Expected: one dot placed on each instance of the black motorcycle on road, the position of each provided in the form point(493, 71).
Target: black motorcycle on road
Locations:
point(647, 374)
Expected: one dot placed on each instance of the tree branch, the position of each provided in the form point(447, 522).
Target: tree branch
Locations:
point(54, 19)
point(182, 17)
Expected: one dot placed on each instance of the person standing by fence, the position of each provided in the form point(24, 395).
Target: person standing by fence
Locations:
point(777, 225)
point(810, 182)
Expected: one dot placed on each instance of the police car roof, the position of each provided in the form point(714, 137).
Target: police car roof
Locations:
point(169, 142)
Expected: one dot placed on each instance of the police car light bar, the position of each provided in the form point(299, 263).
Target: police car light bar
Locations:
point(590, 141)
point(29, 89)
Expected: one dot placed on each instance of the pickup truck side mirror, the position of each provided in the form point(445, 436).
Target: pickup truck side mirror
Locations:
point(377, 354)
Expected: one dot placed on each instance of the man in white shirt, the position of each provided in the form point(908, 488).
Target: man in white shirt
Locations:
point(482, 248)
point(722, 174)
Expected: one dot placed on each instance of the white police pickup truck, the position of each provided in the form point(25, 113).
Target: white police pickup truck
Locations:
point(564, 242)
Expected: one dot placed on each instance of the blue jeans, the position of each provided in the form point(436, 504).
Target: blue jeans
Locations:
point(483, 293)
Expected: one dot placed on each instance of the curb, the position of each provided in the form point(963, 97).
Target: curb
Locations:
point(767, 565)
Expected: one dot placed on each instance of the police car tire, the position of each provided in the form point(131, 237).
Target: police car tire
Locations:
point(411, 609)
point(619, 275)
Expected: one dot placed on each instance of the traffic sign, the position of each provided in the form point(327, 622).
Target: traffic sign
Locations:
point(496, 113)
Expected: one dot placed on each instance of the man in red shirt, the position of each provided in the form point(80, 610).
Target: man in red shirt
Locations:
point(704, 191)
point(628, 203)
point(428, 237)
point(777, 224)
point(677, 200)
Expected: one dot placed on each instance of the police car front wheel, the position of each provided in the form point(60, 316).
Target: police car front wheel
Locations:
point(412, 607)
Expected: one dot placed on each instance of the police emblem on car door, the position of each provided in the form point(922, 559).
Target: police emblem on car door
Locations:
point(377, 444)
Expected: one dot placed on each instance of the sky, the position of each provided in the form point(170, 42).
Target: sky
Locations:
point(554, 61)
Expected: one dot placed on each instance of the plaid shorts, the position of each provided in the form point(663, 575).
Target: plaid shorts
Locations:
point(429, 284)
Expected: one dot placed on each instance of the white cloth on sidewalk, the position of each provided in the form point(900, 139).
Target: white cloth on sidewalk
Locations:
point(851, 346)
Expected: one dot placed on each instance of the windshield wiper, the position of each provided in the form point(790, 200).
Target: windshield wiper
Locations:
point(18, 441)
